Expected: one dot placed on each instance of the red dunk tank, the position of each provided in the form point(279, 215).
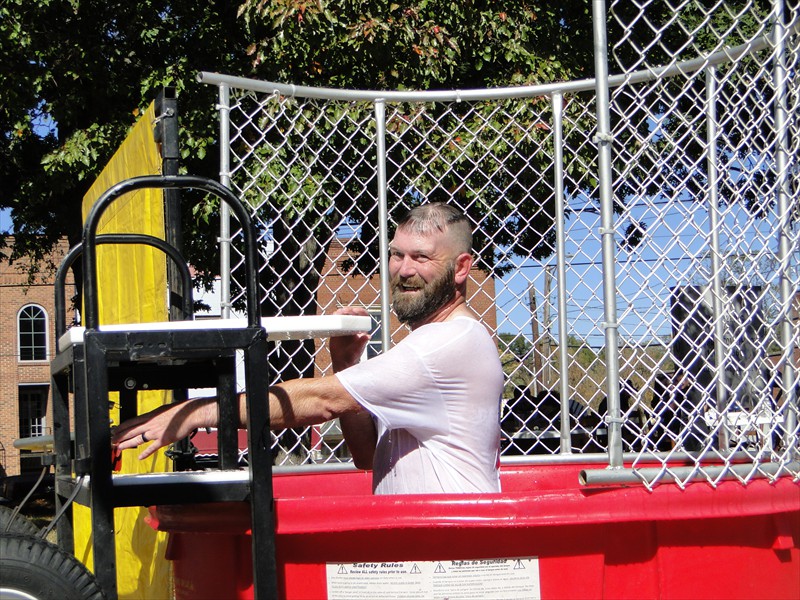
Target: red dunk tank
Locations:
point(546, 536)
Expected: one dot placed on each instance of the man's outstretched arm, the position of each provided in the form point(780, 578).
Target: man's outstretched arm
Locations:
point(294, 403)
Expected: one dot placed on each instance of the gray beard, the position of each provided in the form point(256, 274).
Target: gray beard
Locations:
point(427, 301)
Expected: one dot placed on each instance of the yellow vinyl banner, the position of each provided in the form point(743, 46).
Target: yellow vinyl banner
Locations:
point(132, 288)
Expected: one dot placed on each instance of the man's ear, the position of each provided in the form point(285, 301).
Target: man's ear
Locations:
point(463, 266)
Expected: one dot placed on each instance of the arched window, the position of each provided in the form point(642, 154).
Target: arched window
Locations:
point(32, 329)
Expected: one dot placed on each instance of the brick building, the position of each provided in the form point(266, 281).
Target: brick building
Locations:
point(27, 343)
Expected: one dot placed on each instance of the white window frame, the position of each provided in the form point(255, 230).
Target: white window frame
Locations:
point(33, 347)
point(35, 425)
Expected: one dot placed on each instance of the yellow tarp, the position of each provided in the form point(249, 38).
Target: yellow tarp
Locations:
point(132, 288)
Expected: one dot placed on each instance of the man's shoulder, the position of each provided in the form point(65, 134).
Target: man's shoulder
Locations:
point(462, 323)
point(453, 331)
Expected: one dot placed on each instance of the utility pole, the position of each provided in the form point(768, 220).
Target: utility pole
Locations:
point(537, 355)
point(547, 373)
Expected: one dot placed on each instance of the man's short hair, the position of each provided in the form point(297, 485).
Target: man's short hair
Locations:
point(438, 216)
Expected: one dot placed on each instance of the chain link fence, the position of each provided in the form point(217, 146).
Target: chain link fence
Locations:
point(637, 237)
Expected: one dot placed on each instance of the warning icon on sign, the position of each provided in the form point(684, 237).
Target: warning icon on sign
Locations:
point(342, 570)
point(439, 569)
point(415, 569)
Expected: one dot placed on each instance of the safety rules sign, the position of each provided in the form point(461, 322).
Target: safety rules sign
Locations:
point(488, 579)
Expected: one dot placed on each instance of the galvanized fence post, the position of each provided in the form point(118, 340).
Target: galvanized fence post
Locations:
point(604, 141)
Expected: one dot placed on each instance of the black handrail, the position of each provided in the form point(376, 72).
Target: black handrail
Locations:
point(167, 182)
point(121, 238)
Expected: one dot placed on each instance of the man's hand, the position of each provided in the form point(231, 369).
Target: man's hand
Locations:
point(346, 350)
point(165, 425)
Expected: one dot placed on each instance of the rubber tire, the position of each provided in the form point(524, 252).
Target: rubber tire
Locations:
point(18, 524)
point(36, 567)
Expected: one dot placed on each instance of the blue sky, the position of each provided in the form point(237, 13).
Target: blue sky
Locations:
point(673, 253)
point(5, 220)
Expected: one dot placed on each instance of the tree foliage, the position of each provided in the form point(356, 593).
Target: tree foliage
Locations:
point(673, 122)
point(426, 44)
point(76, 73)
point(75, 76)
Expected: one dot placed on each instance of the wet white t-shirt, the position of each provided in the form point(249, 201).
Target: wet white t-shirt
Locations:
point(435, 398)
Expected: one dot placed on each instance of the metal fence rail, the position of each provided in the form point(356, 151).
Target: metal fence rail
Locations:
point(637, 236)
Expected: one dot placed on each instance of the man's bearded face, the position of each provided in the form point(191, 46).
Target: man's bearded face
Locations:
point(413, 300)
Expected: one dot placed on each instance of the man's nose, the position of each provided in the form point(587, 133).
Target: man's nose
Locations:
point(405, 267)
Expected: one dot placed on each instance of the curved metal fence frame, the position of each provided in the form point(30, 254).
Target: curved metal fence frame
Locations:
point(720, 451)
